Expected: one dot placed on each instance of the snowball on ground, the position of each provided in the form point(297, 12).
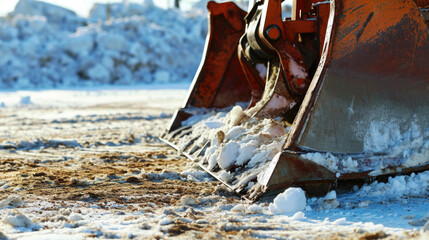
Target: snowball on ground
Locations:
point(291, 200)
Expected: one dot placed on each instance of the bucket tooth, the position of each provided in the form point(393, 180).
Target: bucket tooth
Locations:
point(289, 169)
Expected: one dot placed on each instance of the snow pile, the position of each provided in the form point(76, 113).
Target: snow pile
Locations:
point(291, 200)
point(59, 17)
point(412, 185)
point(43, 45)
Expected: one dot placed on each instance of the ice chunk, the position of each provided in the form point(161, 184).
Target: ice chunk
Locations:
point(273, 128)
point(331, 195)
point(162, 77)
point(187, 200)
point(340, 221)
point(325, 159)
point(258, 158)
point(80, 44)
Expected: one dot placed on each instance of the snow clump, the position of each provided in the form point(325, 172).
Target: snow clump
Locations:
point(291, 200)
point(329, 201)
point(11, 201)
point(16, 219)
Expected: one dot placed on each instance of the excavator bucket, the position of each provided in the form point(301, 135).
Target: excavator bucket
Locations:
point(345, 96)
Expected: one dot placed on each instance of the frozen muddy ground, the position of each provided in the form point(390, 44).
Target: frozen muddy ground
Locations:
point(87, 164)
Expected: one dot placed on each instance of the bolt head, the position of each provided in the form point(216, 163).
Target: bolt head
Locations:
point(273, 33)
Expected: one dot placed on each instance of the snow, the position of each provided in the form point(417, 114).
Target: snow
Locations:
point(75, 217)
point(397, 207)
point(188, 201)
point(166, 221)
point(298, 216)
point(16, 219)
point(241, 147)
point(328, 202)
point(228, 154)
point(412, 185)
point(225, 176)
point(409, 146)
point(11, 201)
point(296, 70)
point(291, 200)
point(45, 46)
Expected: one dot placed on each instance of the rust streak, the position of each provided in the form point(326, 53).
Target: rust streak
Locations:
point(359, 34)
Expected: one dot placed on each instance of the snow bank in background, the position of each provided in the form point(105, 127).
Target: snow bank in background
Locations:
point(45, 46)
point(291, 200)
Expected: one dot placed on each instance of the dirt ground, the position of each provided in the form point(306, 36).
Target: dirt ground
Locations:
point(107, 157)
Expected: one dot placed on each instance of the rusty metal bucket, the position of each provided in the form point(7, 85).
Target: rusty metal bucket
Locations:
point(219, 81)
point(366, 111)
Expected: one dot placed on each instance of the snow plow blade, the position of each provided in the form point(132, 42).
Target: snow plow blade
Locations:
point(350, 78)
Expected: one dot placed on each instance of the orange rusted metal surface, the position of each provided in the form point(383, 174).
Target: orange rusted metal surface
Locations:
point(220, 81)
point(291, 58)
point(375, 64)
point(422, 3)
